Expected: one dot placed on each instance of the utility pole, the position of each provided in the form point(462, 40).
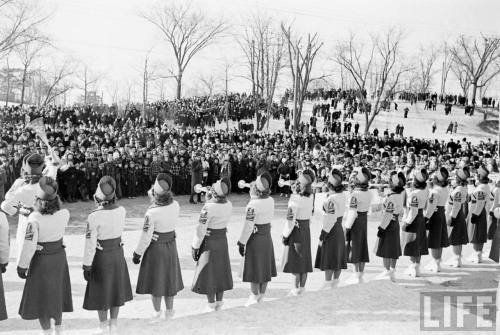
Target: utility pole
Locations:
point(226, 104)
point(295, 91)
point(253, 85)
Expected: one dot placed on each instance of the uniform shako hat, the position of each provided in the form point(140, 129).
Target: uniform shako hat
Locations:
point(335, 178)
point(397, 180)
point(263, 182)
point(106, 189)
point(482, 174)
point(34, 164)
point(362, 176)
point(47, 190)
point(463, 173)
point(163, 183)
point(441, 175)
point(222, 187)
point(306, 178)
point(420, 175)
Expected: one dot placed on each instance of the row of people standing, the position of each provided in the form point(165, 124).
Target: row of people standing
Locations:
point(42, 262)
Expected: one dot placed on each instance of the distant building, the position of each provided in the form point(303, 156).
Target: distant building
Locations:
point(93, 99)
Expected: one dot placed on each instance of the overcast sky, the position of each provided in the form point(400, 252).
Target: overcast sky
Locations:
point(112, 38)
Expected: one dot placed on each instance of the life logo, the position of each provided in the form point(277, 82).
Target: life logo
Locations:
point(458, 311)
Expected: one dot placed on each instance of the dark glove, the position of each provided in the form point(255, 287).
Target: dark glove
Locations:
point(285, 240)
point(241, 248)
point(491, 214)
point(380, 232)
point(136, 259)
point(427, 225)
point(87, 273)
point(322, 236)
point(196, 254)
point(348, 235)
point(474, 219)
point(3, 267)
point(22, 272)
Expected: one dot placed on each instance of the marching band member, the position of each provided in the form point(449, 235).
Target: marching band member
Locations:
point(43, 263)
point(495, 243)
point(255, 243)
point(296, 234)
point(435, 218)
point(389, 245)
point(4, 260)
point(209, 248)
point(160, 272)
point(413, 235)
point(456, 217)
point(331, 256)
point(356, 223)
point(104, 266)
point(478, 205)
point(495, 197)
point(22, 197)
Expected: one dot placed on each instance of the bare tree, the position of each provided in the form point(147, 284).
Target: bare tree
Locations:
point(87, 79)
point(382, 56)
point(445, 68)
point(463, 78)
point(209, 82)
point(427, 57)
point(186, 31)
point(301, 54)
point(53, 83)
point(27, 53)
point(263, 44)
point(475, 57)
point(19, 23)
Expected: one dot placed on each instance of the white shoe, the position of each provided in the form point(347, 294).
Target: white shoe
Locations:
point(327, 285)
point(293, 292)
point(218, 305)
point(413, 270)
point(361, 278)
point(386, 274)
point(260, 297)
point(155, 317)
point(476, 257)
point(302, 290)
point(58, 330)
point(252, 300)
point(103, 328)
point(433, 266)
point(113, 326)
point(210, 307)
point(353, 279)
point(46, 332)
point(335, 283)
point(169, 314)
point(392, 275)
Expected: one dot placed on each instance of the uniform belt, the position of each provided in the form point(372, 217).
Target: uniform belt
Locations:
point(47, 248)
point(261, 228)
point(163, 237)
point(109, 245)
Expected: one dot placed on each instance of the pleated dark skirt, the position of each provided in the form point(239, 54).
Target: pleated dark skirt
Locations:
point(492, 228)
point(297, 254)
point(458, 234)
point(47, 291)
point(438, 231)
point(331, 255)
point(359, 240)
point(389, 245)
point(160, 273)
point(3, 308)
point(414, 240)
point(109, 285)
point(480, 229)
point(260, 265)
point(213, 269)
point(495, 247)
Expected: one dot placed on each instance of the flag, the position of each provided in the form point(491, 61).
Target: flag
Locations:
point(39, 127)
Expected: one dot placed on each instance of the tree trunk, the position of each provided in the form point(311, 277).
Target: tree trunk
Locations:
point(23, 83)
point(179, 85)
point(473, 98)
